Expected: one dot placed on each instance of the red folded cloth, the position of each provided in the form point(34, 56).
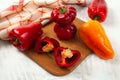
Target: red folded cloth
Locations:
point(24, 12)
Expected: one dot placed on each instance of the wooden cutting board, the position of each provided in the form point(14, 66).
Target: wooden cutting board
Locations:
point(47, 62)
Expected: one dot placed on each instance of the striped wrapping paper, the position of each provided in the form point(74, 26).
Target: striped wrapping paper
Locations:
point(24, 12)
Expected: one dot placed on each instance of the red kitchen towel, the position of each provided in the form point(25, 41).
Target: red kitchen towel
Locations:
point(24, 12)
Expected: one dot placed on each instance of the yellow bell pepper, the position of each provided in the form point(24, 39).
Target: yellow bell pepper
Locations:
point(93, 35)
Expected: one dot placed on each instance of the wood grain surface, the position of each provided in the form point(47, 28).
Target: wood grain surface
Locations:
point(47, 62)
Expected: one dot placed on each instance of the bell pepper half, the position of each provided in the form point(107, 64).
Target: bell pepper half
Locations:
point(46, 44)
point(66, 57)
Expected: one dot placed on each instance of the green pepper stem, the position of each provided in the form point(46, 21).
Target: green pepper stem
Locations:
point(62, 10)
point(16, 41)
point(96, 17)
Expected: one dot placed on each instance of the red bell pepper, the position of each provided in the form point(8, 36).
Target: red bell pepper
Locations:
point(23, 37)
point(46, 44)
point(97, 10)
point(66, 57)
point(63, 15)
point(65, 32)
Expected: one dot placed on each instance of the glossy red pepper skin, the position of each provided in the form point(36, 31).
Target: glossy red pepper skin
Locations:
point(65, 32)
point(63, 15)
point(22, 37)
point(43, 41)
point(69, 62)
point(97, 10)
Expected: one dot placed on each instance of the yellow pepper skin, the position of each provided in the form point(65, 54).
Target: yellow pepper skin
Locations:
point(93, 35)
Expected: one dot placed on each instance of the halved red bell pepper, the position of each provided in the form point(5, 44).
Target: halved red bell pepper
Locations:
point(23, 37)
point(46, 44)
point(66, 57)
